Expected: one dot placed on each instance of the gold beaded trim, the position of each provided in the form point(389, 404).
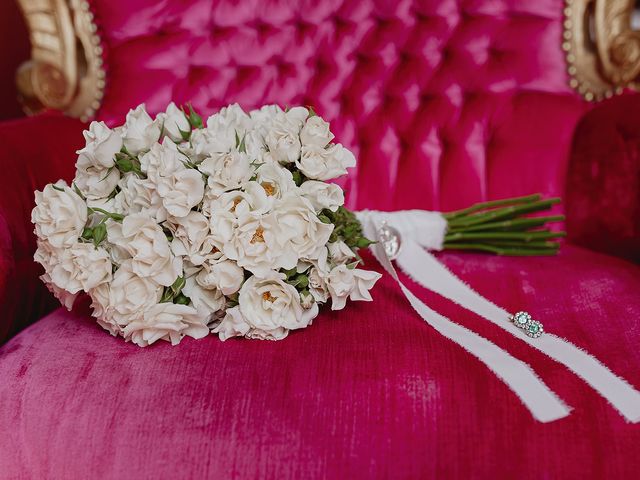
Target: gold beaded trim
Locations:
point(601, 50)
point(66, 70)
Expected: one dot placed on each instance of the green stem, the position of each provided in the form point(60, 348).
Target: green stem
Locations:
point(515, 252)
point(504, 213)
point(524, 236)
point(520, 243)
point(491, 204)
point(513, 224)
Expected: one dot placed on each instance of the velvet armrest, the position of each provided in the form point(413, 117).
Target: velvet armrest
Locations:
point(603, 183)
point(33, 152)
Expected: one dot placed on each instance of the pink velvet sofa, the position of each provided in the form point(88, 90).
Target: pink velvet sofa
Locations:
point(444, 103)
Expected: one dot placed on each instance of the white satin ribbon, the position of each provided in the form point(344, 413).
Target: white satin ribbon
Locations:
point(539, 399)
point(428, 272)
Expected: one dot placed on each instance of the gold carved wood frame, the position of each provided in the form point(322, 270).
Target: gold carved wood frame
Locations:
point(66, 71)
point(602, 49)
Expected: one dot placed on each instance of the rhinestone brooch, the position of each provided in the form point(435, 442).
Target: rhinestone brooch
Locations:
point(390, 239)
point(531, 327)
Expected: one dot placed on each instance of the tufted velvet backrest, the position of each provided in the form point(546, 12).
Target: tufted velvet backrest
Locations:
point(444, 102)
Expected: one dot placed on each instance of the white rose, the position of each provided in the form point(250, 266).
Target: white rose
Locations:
point(252, 199)
point(322, 195)
point(222, 225)
point(223, 132)
point(232, 325)
point(230, 117)
point(130, 294)
point(272, 307)
point(223, 275)
point(283, 138)
point(94, 180)
point(191, 237)
point(324, 164)
point(138, 195)
point(353, 283)
point(181, 192)
point(81, 267)
point(65, 298)
point(100, 307)
point(101, 146)
point(204, 300)
point(275, 180)
point(166, 321)
point(145, 242)
point(264, 117)
point(257, 245)
point(140, 132)
point(226, 171)
point(300, 227)
point(180, 188)
point(59, 215)
point(205, 142)
point(255, 145)
point(173, 120)
point(316, 132)
point(162, 160)
point(46, 254)
point(340, 252)
point(317, 285)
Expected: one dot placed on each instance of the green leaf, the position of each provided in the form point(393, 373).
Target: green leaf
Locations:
point(353, 265)
point(185, 135)
point(181, 299)
point(298, 178)
point(124, 163)
point(324, 218)
point(290, 273)
point(99, 233)
point(118, 217)
point(299, 281)
point(312, 112)
point(178, 285)
point(363, 242)
point(87, 233)
point(77, 190)
point(195, 120)
point(167, 295)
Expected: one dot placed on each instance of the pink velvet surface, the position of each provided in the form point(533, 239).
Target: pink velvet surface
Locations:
point(444, 103)
point(459, 101)
point(369, 392)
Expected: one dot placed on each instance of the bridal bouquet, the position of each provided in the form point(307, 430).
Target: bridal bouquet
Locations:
point(173, 227)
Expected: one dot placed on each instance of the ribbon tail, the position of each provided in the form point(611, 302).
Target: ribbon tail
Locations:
point(428, 272)
point(536, 396)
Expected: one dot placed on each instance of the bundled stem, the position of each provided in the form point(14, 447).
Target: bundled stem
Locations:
point(503, 227)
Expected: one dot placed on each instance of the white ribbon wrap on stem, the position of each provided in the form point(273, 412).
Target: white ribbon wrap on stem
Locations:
point(422, 230)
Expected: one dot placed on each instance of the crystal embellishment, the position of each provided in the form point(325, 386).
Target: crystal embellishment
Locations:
point(390, 239)
point(531, 327)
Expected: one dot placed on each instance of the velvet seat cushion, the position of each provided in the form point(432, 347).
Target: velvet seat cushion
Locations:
point(367, 392)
